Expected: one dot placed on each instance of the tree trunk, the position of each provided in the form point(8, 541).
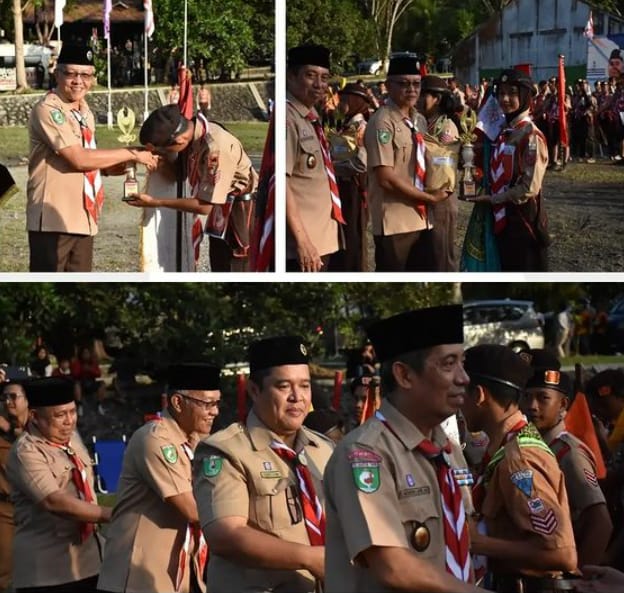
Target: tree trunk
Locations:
point(19, 46)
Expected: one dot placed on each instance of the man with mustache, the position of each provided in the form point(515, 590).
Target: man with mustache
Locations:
point(154, 543)
point(56, 547)
point(258, 483)
point(397, 489)
point(313, 207)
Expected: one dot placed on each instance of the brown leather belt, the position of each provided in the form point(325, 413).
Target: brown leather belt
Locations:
point(243, 197)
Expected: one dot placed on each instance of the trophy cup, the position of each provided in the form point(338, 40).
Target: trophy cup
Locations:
point(126, 122)
point(467, 183)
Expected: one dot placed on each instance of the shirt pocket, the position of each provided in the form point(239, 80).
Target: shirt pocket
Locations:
point(423, 525)
point(310, 157)
point(402, 145)
point(276, 504)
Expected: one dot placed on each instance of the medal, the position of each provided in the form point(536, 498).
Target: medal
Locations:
point(302, 458)
point(311, 161)
point(421, 537)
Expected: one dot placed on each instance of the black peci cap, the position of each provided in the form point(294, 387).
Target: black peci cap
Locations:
point(309, 55)
point(496, 363)
point(403, 65)
point(416, 330)
point(79, 55)
point(197, 376)
point(162, 126)
point(51, 391)
point(277, 351)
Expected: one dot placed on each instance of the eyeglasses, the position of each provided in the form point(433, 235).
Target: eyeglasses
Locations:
point(200, 402)
point(13, 396)
point(86, 76)
point(406, 84)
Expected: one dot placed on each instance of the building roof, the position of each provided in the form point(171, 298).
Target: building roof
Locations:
point(92, 11)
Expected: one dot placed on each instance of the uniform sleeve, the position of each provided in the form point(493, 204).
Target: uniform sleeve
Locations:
point(532, 166)
point(378, 141)
point(52, 127)
point(219, 486)
point(581, 482)
point(30, 472)
point(362, 493)
point(292, 143)
point(532, 489)
point(163, 466)
point(217, 168)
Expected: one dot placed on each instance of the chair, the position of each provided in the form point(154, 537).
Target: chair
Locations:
point(108, 461)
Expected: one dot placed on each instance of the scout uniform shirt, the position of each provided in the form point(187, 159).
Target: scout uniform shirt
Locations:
point(389, 144)
point(7, 524)
point(579, 469)
point(381, 491)
point(236, 473)
point(147, 534)
point(525, 498)
point(308, 181)
point(47, 549)
point(54, 191)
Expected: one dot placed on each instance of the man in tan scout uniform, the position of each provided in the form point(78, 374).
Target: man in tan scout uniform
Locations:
point(395, 485)
point(64, 191)
point(222, 179)
point(526, 531)
point(154, 543)
point(56, 547)
point(13, 419)
point(258, 484)
point(396, 175)
point(313, 214)
point(545, 403)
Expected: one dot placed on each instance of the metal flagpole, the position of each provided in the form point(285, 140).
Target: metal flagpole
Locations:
point(185, 29)
point(145, 61)
point(109, 114)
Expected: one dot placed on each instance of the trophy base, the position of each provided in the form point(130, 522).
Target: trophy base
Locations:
point(468, 190)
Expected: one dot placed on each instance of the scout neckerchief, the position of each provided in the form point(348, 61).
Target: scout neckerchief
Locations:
point(501, 173)
point(93, 191)
point(192, 536)
point(313, 514)
point(81, 482)
point(329, 167)
point(419, 167)
point(456, 539)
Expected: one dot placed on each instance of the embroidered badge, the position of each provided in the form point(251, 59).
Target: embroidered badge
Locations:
point(363, 455)
point(524, 481)
point(418, 491)
point(366, 477)
point(170, 453)
point(536, 506)
point(212, 466)
point(384, 136)
point(591, 478)
point(58, 117)
point(267, 465)
point(463, 476)
point(544, 524)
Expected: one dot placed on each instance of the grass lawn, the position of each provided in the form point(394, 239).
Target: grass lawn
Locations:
point(14, 140)
point(594, 359)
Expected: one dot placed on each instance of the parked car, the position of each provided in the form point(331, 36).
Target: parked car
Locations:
point(512, 323)
point(370, 66)
point(615, 326)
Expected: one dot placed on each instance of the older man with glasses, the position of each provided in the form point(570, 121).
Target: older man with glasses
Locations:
point(396, 175)
point(154, 541)
point(65, 192)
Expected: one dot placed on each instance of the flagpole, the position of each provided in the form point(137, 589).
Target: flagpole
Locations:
point(145, 58)
point(109, 114)
point(185, 29)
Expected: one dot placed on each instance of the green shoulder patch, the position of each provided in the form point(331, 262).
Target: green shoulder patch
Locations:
point(384, 136)
point(212, 466)
point(366, 477)
point(170, 453)
point(58, 117)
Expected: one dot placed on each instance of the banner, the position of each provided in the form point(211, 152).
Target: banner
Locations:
point(58, 12)
point(108, 6)
point(149, 18)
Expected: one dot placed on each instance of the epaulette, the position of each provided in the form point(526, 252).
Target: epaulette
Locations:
point(560, 448)
point(318, 435)
point(226, 433)
point(572, 441)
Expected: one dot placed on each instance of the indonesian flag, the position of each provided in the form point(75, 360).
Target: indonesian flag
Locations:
point(149, 18)
point(108, 6)
point(563, 123)
point(58, 12)
point(589, 27)
point(262, 253)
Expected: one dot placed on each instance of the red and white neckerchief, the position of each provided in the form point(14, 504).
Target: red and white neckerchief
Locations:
point(193, 540)
point(329, 167)
point(81, 482)
point(313, 513)
point(501, 173)
point(420, 169)
point(456, 537)
point(93, 191)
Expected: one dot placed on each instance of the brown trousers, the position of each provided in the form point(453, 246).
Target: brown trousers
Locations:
point(60, 252)
point(7, 530)
point(404, 252)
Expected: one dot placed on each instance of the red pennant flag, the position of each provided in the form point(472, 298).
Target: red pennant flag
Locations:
point(578, 421)
point(563, 123)
point(185, 102)
point(370, 406)
point(337, 390)
point(241, 397)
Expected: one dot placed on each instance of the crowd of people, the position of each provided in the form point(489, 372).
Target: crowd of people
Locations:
point(440, 469)
point(386, 159)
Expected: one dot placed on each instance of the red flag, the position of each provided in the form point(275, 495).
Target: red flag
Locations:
point(337, 390)
point(370, 405)
point(241, 397)
point(262, 252)
point(563, 122)
point(578, 421)
point(589, 27)
point(185, 102)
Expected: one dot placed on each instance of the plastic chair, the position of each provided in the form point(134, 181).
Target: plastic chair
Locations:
point(108, 457)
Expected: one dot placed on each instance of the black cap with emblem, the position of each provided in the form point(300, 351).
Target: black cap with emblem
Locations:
point(79, 55)
point(51, 391)
point(162, 126)
point(547, 373)
point(403, 65)
point(197, 376)
point(497, 364)
point(309, 55)
point(517, 78)
point(277, 351)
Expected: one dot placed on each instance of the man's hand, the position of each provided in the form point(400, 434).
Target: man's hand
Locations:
point(316, 561)
point(308, 257)
point(141, 201)
point(145, 157)
point(439, 195)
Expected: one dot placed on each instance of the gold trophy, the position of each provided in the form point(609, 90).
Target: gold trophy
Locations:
point(467, 182)
point(126, 121)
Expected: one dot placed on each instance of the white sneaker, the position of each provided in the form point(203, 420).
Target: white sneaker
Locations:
point(101, 411)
